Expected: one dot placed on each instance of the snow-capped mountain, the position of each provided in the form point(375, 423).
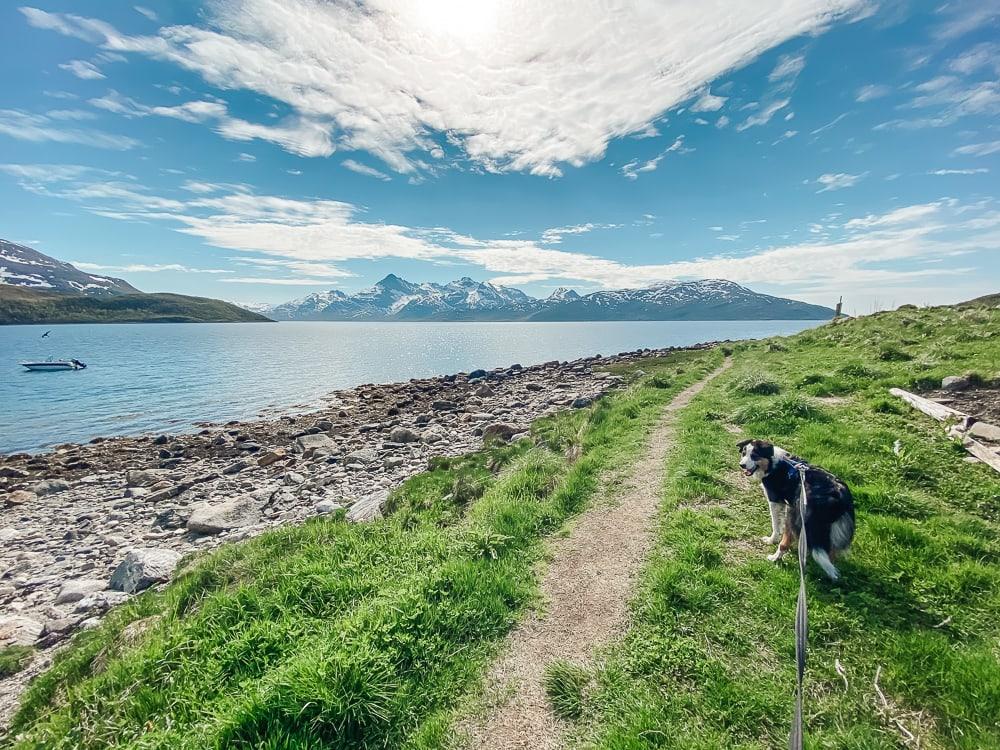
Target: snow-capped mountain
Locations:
point(23, 266)
point(394, 298)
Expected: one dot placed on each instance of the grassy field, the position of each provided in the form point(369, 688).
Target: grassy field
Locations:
point(709, 660)
point(343, 636)
point(336, 636)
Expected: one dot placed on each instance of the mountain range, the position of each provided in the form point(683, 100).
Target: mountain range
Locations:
point(396, 299)
point(25, 267)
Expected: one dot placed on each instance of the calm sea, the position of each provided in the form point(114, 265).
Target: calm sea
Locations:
point(149, 377)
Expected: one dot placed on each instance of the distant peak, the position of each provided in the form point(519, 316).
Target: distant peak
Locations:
point(564, 292)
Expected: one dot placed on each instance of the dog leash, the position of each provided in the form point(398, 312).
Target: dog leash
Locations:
point(801, 621)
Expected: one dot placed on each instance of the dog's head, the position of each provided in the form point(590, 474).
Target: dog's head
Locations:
point(757, 457)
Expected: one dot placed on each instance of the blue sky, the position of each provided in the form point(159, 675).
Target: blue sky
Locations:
point(258, 150)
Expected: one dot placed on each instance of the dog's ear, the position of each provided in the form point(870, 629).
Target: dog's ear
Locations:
point(743, 444)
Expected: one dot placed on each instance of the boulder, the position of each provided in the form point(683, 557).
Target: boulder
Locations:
point(985, 431)
point(582, 402)
point(327, 506)
point(266, 459)
point(50, 487)
point(484, 390)
point(501, 431)
point(957, 382)
point(315, 443)
point(534, 387)
point(293, 478)
point(19, 497)
point(404, 435)
point(18, 631)
point(364, 456)
point(74, 591)
point(11, 472)
point(232, 514)
point(141, 568)
point(368, 508)
point(143, 477)
point(477, 374)
point(443, 405)
point(236, 467)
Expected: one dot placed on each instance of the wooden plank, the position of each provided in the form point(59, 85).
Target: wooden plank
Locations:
point(986, 455)
point(940, 412)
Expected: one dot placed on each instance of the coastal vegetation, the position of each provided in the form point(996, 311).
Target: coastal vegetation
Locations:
point(21, 305)
point(330, 634)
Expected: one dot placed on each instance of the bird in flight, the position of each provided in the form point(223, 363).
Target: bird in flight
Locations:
point(46, 334)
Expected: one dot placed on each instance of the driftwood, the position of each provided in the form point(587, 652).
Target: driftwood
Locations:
point(940, 412)
point(983, 453)
point(961, 422)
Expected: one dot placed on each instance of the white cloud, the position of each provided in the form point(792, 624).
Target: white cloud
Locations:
point(193, 111)
point(146, 268)
point(83, 69)
point(555, 235)
point(764, 116)
point(244, 156)
point(953, 98)
point(365, 170)
point(708, 102)
point(788, 68)
point(829, 125)
point(386, 76)
point(984, 55)
point(26, 126)
point(150, 14)
point(632, 169)
point(872, 91)
point(722, 122)
point(299, 281)
point(942, 172)
point(838, 181)
point(786, 136)
point(978, 149)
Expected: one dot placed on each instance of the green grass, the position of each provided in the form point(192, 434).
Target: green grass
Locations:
point(13, 659)
point(709, 659)
point(342, 636)
point(565, 685)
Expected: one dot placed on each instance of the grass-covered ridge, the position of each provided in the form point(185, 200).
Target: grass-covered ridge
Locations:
point(20, 305)
point(342, 636)
point(709, 660)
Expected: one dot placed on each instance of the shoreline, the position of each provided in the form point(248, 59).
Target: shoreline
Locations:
point(85, 527)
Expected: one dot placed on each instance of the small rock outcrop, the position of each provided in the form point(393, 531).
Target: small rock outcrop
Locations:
point(142, 568)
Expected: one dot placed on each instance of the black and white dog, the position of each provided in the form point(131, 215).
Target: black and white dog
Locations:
point(830, 507)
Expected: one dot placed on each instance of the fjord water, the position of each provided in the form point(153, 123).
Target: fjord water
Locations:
point(166, 377)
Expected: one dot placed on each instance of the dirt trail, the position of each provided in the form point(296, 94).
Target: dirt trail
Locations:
point(585, 591)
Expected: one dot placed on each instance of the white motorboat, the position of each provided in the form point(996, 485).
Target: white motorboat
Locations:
point(54, 365)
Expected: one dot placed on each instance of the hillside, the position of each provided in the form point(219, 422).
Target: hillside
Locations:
point(394, 298)
point(340, 635)
point(25, 267)
point(21, 305)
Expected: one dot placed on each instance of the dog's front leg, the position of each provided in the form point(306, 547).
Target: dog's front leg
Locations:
point(787, 539)
point(777, 520)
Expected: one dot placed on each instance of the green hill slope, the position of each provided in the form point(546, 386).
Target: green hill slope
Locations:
point(20, 305)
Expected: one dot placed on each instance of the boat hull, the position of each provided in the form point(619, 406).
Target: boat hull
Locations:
point(50, 366)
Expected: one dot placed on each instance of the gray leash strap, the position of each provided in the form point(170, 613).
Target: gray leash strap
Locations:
point(801, 622)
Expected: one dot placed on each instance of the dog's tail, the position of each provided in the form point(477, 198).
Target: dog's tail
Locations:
point(842, 533)
point(823, 560)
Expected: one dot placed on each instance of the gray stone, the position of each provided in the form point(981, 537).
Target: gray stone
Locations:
point(293, 478)
point(19, 631)
point(266, 459)
point(956, 382)
point(368, 508)
point(51, 487)
point(19, 497)
point(484, 390)
point(74, 591)
point(534, 387)
point(364, 456)
point(315, 443)
point(60, 626)
point(582, 403)
point(443, 405)
point(327, 506)
point(985, 431)
point(232, 514)
point(404, 435)
point(144, 477)
point(236, 467)
point(501, 431)
point(141, 568)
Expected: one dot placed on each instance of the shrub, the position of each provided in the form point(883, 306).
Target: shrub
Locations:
point(755, 384)
point(659, 381)
point(13, 659)
point(784, 411)
point(565, 684)
point(892, 353)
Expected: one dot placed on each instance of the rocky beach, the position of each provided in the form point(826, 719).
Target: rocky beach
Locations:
point(85, 527)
